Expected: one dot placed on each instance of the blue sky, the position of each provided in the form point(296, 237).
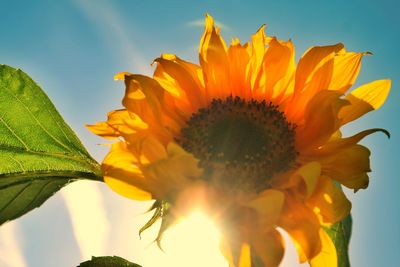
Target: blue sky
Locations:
point(74, 48)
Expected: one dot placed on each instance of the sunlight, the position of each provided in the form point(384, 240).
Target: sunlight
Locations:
point(88, 217)
point(192, 242)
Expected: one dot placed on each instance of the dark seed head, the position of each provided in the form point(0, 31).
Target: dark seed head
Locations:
point(240, 144)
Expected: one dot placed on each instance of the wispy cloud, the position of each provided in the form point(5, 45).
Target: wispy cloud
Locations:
point(10, 245)
point(109, 24)
point(200, 23)
point(88, 216)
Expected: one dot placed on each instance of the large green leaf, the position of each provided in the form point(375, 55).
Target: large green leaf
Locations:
point(39, 153)
point(108, 261)
point(340, 234)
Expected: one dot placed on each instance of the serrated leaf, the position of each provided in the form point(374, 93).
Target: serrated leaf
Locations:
point(39, 153)
point(108, 261)
point(340, 234)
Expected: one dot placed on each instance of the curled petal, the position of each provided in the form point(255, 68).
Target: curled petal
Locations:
point(342, 143)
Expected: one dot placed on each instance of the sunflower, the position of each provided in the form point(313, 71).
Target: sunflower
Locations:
point(248, 136)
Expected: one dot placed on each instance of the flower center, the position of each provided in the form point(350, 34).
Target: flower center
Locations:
point(240, 144)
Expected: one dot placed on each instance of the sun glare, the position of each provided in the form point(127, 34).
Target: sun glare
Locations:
point(192, 242)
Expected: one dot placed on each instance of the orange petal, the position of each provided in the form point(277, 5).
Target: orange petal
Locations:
point(356, 182)
point(268, 206)
point(329, 201)
point(328, 256)
point(320, 120)
point(365, 99)
point(316, 66)
point(257, 51)
point(151, 150)
point(269, 247)
point(277, 70)
point(173, 173)
point(238, 62)
point(214, 61)
point(303, 227)
point(180, 78)
point(346, 164)
point(122, 174)
point(302, 181)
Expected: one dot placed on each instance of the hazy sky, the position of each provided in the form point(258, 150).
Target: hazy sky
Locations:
point(74, 48)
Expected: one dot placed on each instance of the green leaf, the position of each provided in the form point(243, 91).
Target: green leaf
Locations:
point(340, 234)
point(39, 153)
point(108, 261)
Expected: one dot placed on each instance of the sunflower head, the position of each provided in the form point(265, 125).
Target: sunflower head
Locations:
point(250, 136)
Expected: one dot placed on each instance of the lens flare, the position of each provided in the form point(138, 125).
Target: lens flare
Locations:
point(194, 242)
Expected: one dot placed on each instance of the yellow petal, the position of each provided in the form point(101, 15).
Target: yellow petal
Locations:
point(269, 247)
point(103, 129)
point(310, 173)
point(346, 67)
point(147, 87)
point(257, 51)
point(328, 256)
point(126, 122)
point(330, 201)
point(268, 206)
point(365, 99)
point(122, 174)
point(245, 256)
